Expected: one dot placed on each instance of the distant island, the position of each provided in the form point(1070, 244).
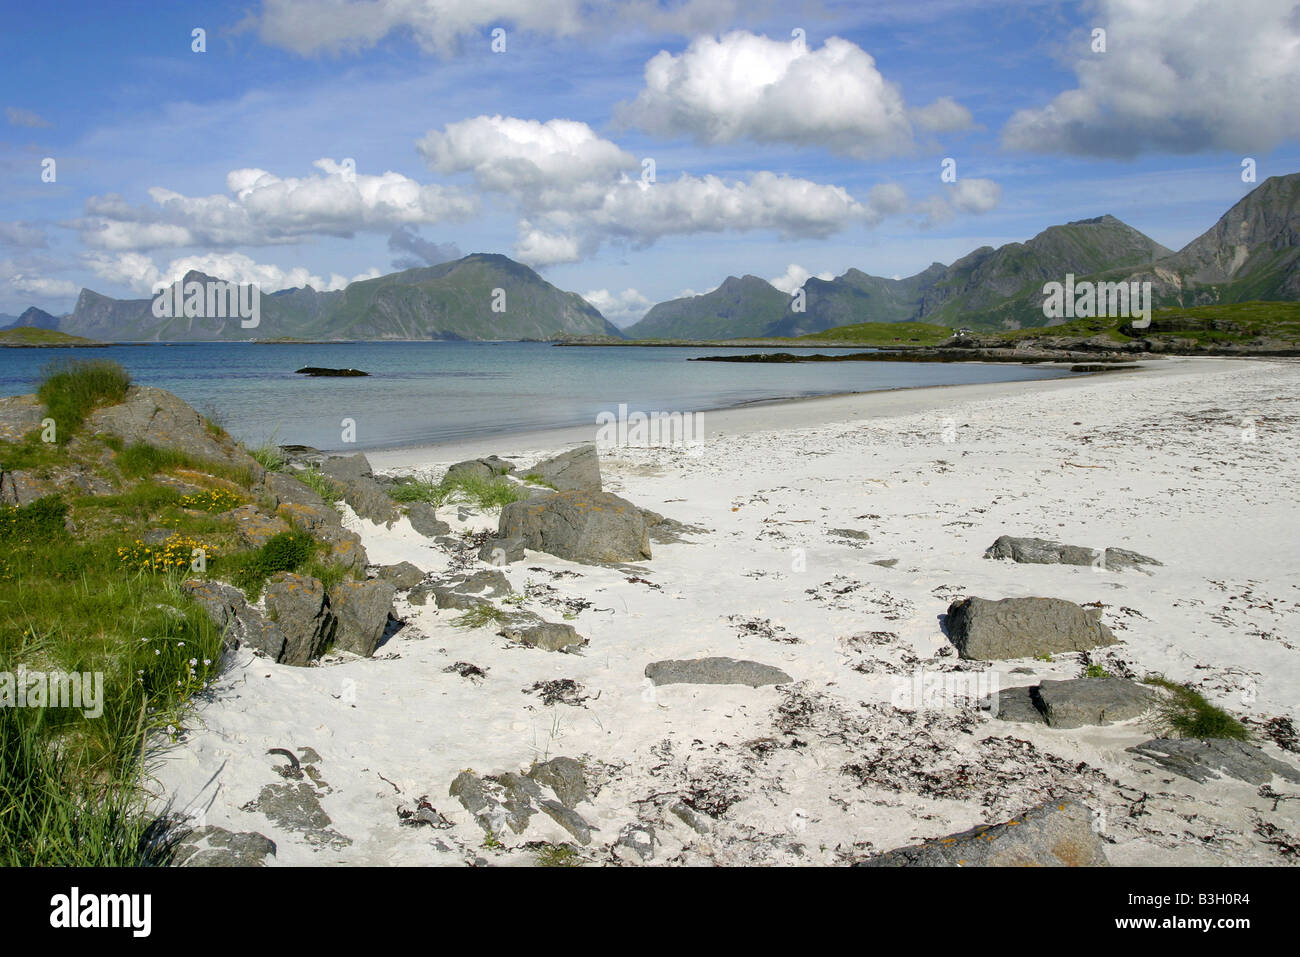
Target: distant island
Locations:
point(28, 337)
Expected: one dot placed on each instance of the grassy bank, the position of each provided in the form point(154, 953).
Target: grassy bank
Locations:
point(90, 584)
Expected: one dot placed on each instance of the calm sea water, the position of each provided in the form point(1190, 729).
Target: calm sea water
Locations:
point(426, 392)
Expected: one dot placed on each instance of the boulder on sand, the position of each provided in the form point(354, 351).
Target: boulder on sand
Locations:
point(1054, 834)
point(362, 610)
point(588, 527)
point(575, 470)
point(986, 630)
point(485, 469)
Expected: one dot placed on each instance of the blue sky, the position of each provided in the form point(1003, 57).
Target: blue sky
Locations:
point(772, 155)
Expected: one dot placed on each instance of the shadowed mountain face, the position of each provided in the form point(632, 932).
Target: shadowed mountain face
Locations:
point(31, 317)
point(483, 296)
point(1251, 253)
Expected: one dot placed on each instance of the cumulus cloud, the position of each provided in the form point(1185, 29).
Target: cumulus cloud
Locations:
point(264, 209)
point(556, 163)
point(745, 86)
point(418, 250)
point(975, 195)
point(140, 273)
point(17, 116)
point(574, 190)
point(794, 277)
point(1177, 77)
point(41, 287)
point(622, 309)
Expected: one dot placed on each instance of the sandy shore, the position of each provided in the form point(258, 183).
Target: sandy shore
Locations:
point(1192, 461)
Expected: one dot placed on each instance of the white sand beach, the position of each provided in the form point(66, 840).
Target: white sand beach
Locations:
point(1192, 461)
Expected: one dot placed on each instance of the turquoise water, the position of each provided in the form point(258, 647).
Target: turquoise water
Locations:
point(427, 392)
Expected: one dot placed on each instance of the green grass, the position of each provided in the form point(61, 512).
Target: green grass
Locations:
point(480, 616)
point(71, 390)
point(1186, 713)
point(286, 552)
point(318, 482)
point(141, 461)
point(556, 855)
point(70, 785)
point(882, 334)
point(269, 457)
point(485, 493)
point(1096, 671)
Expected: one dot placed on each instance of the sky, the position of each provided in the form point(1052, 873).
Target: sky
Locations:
point(631, 152)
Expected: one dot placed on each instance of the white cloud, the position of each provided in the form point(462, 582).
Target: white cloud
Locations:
point(794, 277)
point(575, 193)
point(974, 195)
point(265, 209)
point(556, 163)
point(888, 199)
point(140, 273)
point(745, 86)
point(43, 288)
point(17, 116)
point(337, 26)
point(1177, 77)
point(944, 115)
point(622, 309)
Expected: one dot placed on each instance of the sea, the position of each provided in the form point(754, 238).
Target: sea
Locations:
point(425, 393)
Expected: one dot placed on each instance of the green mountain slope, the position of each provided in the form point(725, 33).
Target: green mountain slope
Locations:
point(747, 306)
point(450, 301)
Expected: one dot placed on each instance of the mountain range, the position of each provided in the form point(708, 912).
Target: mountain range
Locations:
point(482, 296)
point(1249, 254)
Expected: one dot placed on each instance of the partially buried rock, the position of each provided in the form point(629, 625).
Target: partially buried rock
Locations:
point(715, 671)
point(564, 776)
point(589, 527)
point(575, 470)
point(1040, 551)
point(1075, 703)
point(987, 630)
point(402, 576)
point(1092, 701)
point(211, 846)
point(530, 630)
point(1203, 760)
point(502, 551)
point(424, 519)
point(362, 610)
point(468, 592)
point(1055, 834)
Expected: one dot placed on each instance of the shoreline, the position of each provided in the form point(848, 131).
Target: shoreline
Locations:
point(756, 415)
point(824, 538)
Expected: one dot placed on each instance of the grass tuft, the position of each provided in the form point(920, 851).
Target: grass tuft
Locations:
point(1187, 713)
point(71, 390)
